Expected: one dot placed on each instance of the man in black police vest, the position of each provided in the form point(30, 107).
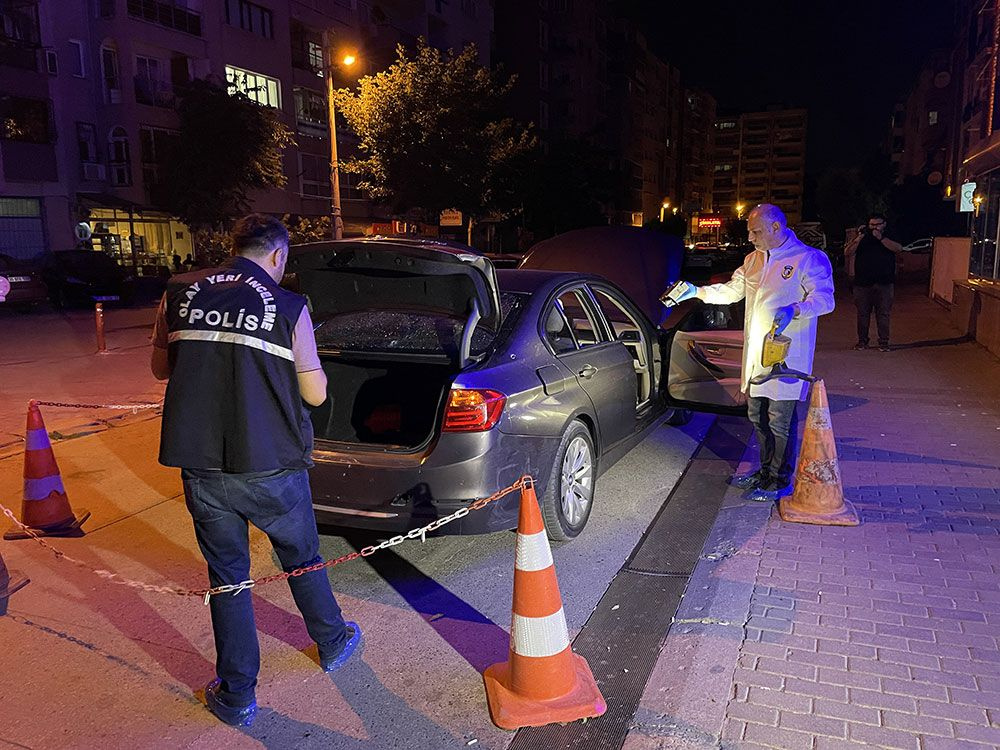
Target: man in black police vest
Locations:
point(241, 358)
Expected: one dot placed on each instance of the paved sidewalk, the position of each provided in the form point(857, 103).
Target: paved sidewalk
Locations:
point(884, 635)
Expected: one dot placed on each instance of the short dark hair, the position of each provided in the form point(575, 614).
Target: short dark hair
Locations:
point(256, 235)
point(877, 217)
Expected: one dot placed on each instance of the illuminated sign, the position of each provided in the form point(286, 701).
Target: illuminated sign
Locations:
point(967, 200)
point(709, 223)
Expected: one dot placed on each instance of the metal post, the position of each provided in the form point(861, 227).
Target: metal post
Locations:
point(99, 324)
point(337, 220)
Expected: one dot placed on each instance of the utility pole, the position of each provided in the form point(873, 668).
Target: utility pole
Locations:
point(335, 215)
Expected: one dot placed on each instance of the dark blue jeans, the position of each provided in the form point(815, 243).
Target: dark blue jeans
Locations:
point(877, 297)
point(279, 503)
point(776, 424)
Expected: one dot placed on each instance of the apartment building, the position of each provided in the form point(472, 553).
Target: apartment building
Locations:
point(88, 90)
point(760, 158)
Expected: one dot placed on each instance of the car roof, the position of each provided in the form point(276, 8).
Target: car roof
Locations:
point(529, 281)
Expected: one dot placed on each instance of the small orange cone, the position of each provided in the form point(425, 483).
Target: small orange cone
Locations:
point(45, 508)
point(543, 681)
point(8, 585)
point(819, 495)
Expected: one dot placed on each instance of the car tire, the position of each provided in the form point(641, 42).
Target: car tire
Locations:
point(678, 417)
point(569, 493)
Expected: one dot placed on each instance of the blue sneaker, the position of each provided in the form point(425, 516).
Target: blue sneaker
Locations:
point(769, 493)
point(749, 481)
point(231, 715)
point(333, 663)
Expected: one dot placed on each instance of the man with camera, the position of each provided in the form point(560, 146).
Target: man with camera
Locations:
point(872, 255)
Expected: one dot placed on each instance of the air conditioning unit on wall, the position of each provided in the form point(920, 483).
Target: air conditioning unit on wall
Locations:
point(93, 172)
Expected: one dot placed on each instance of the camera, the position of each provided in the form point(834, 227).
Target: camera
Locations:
point(863, 229)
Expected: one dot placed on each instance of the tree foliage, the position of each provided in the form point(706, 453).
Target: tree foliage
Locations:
point(227, 146)
point(432, 134)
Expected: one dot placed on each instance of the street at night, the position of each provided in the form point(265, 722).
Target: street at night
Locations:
point(520, 376)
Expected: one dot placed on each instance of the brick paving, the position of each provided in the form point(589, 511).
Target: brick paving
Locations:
point(888, 634)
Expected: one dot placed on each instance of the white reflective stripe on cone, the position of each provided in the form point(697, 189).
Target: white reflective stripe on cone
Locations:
point(36, 440)
point(532, 552)
point(540, 636)
point(39, 489)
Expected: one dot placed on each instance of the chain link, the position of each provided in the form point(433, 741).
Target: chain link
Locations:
point(123, 407)
point(235, 588)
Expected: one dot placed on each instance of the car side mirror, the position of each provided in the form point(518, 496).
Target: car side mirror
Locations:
point(630, 337)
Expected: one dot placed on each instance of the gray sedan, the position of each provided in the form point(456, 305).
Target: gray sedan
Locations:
point(449, 380)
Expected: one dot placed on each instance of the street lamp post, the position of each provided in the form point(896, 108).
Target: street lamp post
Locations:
point(348, 60)
point(665, 205)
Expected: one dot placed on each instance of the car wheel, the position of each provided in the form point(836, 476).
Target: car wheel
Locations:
point(678, 417)
point(569, 494)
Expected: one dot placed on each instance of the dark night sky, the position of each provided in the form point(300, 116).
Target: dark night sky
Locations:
point(847, 61)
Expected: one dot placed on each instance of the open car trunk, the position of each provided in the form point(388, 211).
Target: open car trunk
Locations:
point(385, 402)
point(395, 321)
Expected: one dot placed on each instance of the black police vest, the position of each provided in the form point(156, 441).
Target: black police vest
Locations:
point(232, 402)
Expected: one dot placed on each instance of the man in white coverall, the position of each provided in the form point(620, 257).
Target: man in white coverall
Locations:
point(787, 284)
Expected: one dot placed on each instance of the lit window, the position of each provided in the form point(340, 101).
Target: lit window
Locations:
point(932, 118)
point(260, 88)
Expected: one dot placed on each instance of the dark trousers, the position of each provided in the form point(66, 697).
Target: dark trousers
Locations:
point(776, 424)
point(879, 298)
point(279, 503)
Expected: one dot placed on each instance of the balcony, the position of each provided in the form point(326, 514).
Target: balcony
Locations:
point(154, 93)
point(166, 14)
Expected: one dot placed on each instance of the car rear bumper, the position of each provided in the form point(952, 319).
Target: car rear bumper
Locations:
point(394, 493)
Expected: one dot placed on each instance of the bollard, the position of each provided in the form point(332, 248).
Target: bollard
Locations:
point(99, 323)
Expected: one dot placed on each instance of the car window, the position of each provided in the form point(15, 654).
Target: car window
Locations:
point(410, 332)
point(714, 318)
point(617, 315)
point(558, 332)
point(581, 321)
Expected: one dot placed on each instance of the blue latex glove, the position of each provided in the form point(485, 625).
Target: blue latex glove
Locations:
point(783, 317)
point(680, 292)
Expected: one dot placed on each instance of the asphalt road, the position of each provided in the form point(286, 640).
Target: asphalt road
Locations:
point(122, 665)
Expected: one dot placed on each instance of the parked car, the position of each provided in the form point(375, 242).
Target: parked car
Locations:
point(26, 285)
point(82, 277)
point(449, 380)
point(922, 246)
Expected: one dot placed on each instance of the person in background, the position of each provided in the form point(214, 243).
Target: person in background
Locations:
point(787, 285)
point(872, 254)
point(240, 357)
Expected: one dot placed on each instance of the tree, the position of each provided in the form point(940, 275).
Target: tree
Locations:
point(432, 135)
point(227, 146)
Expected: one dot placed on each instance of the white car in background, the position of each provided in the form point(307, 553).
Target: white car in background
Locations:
point(920, 247)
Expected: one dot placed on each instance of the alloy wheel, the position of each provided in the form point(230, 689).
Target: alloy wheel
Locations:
point(576, 480)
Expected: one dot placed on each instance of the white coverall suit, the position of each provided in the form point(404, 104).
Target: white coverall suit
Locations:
point(792, 273)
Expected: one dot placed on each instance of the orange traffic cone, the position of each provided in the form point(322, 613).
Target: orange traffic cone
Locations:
point(543, 681)
point(8, 585)
point(819, 495)
point(45, 508)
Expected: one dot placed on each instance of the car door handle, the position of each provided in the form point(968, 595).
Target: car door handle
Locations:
point(716, 350)
point(699, 356)
point(587, 372)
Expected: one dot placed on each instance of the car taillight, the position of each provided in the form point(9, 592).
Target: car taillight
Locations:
point(473, 410)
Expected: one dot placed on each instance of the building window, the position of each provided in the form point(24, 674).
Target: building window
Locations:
point(250, 17)
point(932, 118)
point(119, 158)
point(86, 139)
point(349, 190)
point(151, 86)
point(310, 111)
point(262, 89)
point(24, 119)
point(78, 59)
point(171, 14)
point(155, 148)
point(109, 74)
point(314, 175)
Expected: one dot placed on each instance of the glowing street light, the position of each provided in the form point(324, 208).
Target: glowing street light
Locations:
point(740, 208)
point(347, 60)
point(664, 207)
